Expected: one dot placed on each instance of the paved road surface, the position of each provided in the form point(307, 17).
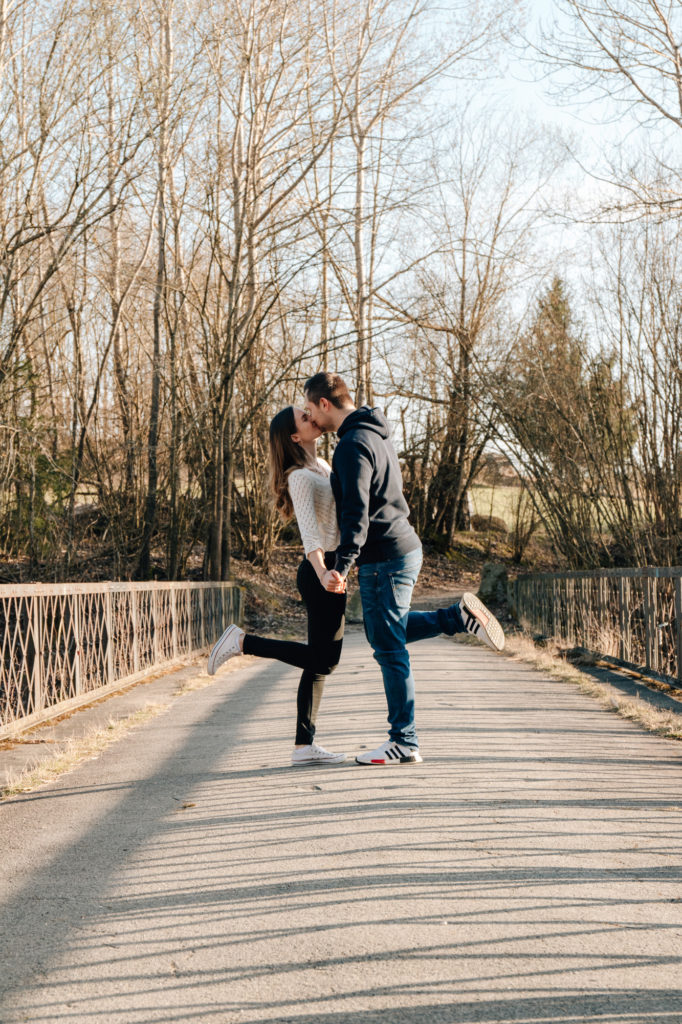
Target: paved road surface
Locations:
point(530, 870)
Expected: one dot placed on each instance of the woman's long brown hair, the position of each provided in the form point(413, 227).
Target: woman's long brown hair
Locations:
point(285, 455)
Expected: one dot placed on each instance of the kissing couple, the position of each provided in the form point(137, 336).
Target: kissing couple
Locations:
point(351, 513)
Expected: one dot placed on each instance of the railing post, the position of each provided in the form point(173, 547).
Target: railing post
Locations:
point(554, 631)
point(546, 610)
point(136, 631)
point(202, 617)
point(76, 625)
point(678, 627)
point(601, 614)
point(623, 619)
point(154, 609)
point(188, 605)
point(570, 611)
point(655, 632)
point(651, 639)
point(110, 634)
point(38, 692)
point(174, 622)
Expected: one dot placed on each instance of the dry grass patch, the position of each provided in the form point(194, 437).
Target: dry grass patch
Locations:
point(69, 754)
point(202, 679)
point(550, 661)
point(74, 751)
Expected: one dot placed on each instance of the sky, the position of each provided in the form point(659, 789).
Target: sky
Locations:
point(526, 87)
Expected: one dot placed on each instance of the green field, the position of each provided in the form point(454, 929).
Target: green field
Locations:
point(499, 501)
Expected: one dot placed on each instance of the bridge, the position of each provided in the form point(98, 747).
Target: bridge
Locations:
point(529, 870)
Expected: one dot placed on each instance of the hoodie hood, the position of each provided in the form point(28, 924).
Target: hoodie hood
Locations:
point(366, 419)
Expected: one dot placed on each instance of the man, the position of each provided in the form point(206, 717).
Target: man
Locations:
point(376, 534)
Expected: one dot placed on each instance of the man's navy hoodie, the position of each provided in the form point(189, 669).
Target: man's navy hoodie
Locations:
point(368, 489)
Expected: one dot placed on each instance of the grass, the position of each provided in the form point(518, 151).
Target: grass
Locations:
point(202, 679)
point(498, 501)
point(75, 750)
point(548, 660)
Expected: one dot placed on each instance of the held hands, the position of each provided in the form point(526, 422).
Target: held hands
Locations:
point(333, 581)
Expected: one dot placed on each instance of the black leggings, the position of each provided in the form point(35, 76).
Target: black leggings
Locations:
point(320, 656)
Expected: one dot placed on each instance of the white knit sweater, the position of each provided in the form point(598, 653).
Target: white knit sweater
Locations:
point(314, 506)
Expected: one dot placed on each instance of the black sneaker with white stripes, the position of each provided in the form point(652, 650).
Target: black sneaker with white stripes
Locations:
point(481, 622)
point(391, 753)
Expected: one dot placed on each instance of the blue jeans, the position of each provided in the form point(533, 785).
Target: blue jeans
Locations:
point(386, 592)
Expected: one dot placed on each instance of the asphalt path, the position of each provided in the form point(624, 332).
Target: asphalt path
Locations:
point(529, 870)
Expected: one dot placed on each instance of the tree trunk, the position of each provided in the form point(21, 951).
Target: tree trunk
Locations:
point(151, 504)
point(362, 383)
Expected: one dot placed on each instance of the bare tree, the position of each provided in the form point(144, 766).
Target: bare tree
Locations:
point(267, 141)
point(482, 223)
point(629, 53)
point(383, 66)
point(639, 306)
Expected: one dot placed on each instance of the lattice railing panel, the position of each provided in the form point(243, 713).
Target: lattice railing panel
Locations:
point(123, 626)
point(95, 639)
point(59, 646)
point(636, 621)
point(63, 641)
point(211, 606)
point(163, 622)
point(633, 615)
point(196, 626)
point(18, 645)
point(666, 628)
point(146, 629)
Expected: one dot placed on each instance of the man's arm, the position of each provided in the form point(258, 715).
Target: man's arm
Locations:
point(353, 468)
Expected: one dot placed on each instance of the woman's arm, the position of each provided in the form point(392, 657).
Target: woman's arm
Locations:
point(316, 559)
point(301, 491)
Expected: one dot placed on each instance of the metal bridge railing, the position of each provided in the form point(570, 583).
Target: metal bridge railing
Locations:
point(633, 616)
point(60, 643)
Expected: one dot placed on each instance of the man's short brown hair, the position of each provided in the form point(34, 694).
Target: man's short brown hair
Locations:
point(329, 386)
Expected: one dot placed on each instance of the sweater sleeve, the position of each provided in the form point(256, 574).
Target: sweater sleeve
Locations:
point(301, 491)
point(353, 467)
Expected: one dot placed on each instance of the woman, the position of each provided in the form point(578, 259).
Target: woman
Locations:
point(300, 484)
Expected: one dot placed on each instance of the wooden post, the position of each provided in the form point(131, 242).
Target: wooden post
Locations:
point(622, 618)
point(678, 626)
point(544, 606)
point(136, 631)
point(38, 691)
point(555, 627)
point(174, 622)
point(587, 610)
point(154, 616)
point(569, 611)
point(188, 604)
point(110, 635)
point(655, 660)
point(651, 640)
point(76, 626)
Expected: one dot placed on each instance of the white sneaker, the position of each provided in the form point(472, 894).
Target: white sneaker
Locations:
point(391, 752)
point(481, 622)
point(226, 648)
point(313, 753)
